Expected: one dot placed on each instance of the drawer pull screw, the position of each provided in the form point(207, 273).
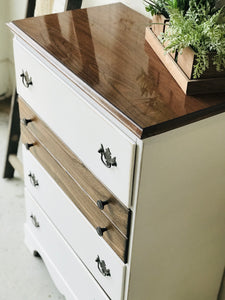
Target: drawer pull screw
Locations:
point(28, 146)
point(102, 267)
point(101, 204)
point(106, 158)
point(34, 221)
point(33, 180)
point(101, 230)
point(26, 121)
point(26, 79)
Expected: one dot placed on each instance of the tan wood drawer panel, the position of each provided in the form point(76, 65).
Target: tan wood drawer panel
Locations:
point(118, 214)
point(83, 128)
point(117, 241)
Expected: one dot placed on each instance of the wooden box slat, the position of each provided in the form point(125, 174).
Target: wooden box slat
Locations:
point(189, 86)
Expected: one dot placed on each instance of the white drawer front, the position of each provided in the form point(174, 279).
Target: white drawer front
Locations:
point(74, 227)
point(78, 124)
point(73, 272)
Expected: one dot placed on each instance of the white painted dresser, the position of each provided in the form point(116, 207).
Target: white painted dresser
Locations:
point(124, 174)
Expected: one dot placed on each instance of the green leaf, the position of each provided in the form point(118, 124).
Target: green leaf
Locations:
point(198, 28)
point(221, 17)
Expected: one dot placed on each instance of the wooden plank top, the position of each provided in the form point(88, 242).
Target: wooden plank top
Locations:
point(104, 47)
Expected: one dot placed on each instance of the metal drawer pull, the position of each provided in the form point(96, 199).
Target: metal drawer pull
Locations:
point(102, 267)
point(106, 158)
point(28, 146)
point(33, 180)
point(26, 79)
point(26, 121)
point(101, 204)
point(34, 221)
point(101, 230)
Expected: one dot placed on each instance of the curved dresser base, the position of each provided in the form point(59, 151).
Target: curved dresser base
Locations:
point(34, 246)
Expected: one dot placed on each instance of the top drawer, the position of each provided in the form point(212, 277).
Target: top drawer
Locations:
point(103, 148)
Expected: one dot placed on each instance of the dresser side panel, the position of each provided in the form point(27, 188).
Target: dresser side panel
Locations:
point(178, 249)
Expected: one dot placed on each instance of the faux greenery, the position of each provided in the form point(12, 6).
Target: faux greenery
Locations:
point(156, 7)
point(200, 29)
point(164, 6)
point(199, 24)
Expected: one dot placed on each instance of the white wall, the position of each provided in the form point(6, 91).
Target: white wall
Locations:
point(15, 12)
point(9, 9)
point(134, 4)
point(4, 74)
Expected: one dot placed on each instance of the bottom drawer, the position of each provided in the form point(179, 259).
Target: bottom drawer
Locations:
point(75, 228)
point(52, 247)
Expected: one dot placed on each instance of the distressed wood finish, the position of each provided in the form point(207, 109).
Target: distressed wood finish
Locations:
point(117, 69)
point(158, 24)
point(118, 214)
point(182, 59)
point(117, 241)
point(178, 226)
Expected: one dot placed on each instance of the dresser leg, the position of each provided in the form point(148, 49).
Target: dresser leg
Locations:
point(29, 241)
point(36, 253)
point(36, 249)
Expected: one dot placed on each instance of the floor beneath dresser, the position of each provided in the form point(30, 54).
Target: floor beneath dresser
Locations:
point(22, 276)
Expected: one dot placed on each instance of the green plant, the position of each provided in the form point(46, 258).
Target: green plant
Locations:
point(163, 6)
point(156, 7)
point(203, 29)
point(181, 5)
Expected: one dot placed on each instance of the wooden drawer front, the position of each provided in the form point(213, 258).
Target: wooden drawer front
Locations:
point(75, 229)
point(118, 214)
point(52, 245)
point(112, 236)
point(78, 124)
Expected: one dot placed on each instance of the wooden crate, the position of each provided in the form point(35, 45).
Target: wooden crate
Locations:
point(188, 85)
point(187, 60)
point(158, 24)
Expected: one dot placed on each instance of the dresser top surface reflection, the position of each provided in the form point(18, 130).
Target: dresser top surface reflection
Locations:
point(105, 47)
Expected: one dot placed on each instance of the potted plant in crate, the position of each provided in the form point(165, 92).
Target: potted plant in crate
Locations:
point(194, 31)
point(160, 10)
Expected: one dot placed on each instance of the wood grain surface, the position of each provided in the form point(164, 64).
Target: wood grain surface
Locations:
point(118, 214)
point(105, 47)
point(117, 241)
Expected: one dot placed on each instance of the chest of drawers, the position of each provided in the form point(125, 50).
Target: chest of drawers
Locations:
point(124, 174)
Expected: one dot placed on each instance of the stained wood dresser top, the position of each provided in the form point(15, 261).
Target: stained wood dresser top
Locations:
point(105, 48)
